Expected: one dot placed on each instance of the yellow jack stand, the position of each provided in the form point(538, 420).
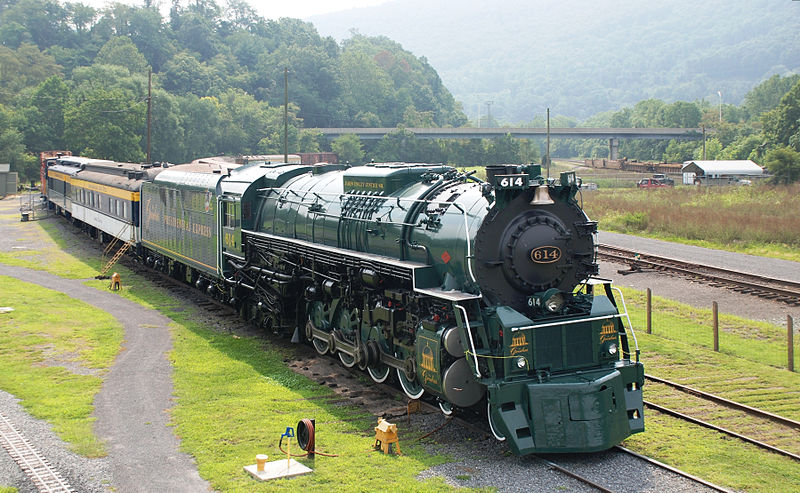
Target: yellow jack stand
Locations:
point(385, 435)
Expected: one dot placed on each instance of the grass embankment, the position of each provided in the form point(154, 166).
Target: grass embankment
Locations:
point(43, 245)
point(53, 352)
point(676, 355)
point(758, 220)
point(235, 397)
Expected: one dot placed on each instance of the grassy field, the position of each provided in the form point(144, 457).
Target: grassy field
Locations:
point(758, 220)
point(738, 374)
point(53, 353)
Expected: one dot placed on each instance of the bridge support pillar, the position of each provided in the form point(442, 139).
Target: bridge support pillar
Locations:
point(613, 149)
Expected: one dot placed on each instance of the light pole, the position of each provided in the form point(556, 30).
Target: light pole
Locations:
point(489, 113)
point(720, 105)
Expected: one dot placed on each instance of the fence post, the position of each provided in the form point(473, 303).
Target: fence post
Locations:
point(649, 312)
point(790, 340)
point(715, 322)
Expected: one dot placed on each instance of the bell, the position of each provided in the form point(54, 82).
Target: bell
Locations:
point(541, 196)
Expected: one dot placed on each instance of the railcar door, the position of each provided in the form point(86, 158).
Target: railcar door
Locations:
point(232, 227)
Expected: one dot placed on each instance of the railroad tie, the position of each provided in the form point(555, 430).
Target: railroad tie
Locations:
point(44, 477)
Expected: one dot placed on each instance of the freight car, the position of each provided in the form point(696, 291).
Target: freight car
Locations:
point(480, 294)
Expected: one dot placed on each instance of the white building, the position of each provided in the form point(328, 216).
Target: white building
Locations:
point(720, 172)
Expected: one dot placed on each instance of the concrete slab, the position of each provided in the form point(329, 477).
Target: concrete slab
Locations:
point(278, 469)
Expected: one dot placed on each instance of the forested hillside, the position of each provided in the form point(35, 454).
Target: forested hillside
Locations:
point(76, 78)
point(583, 57)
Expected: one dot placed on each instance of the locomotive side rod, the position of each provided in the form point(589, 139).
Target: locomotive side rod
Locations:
point(351, 349)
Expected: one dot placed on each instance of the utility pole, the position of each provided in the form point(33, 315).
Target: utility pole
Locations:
point(704, 142)
point(286, 115)
point(547, 149)
point(149, 107)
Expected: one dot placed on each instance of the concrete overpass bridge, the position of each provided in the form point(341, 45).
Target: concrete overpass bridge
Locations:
point(612, 134)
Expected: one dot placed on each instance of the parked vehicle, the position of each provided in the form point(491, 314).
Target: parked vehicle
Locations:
point(650, 183)
point(666, 180)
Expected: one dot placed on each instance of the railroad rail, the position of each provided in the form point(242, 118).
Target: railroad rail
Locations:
point(37, 468)
point(725, 403)
point(762, 286)
point(667, 467)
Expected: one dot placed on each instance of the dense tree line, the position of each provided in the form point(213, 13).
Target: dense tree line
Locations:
point(76, 78)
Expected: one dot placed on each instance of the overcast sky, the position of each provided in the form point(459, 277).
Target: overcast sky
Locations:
point(302, 9)
point(271, 9)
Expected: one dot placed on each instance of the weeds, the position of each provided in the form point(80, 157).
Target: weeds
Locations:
point(760, 220)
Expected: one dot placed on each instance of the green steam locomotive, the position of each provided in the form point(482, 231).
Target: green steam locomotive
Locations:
point(482, 294)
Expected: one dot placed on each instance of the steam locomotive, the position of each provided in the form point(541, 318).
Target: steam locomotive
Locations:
point(482, 294)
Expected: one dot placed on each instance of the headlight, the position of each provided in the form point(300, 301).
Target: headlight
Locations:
point(521, 362)
point(554, 303)
point(612, 349)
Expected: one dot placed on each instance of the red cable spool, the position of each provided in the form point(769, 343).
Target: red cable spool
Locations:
point(305, 436)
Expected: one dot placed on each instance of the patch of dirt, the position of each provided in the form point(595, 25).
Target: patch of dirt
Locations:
point(66, 360)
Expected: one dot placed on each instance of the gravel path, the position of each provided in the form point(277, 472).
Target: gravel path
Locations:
point(132, 407)
point(133, 403)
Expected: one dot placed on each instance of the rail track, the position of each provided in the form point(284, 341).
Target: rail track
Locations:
point(770, 288)
point(30, 460)
point(778, 430)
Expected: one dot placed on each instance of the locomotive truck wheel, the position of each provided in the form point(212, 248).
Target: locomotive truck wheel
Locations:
point(500, 437)
point(379, 374)
point(363, 357)
point(446, 407)
point(412, 389)
point(410, 386)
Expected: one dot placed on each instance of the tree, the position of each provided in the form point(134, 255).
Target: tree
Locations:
point(680, 114)
point(309, 141)
point(121, 51)
point(12, 149)
point(200, 118)
point(43, 120)
point(349, 149)
point(782, 125)
point(186, 74)
point(767, 95)
point(784, 164)
point(106, 125)
point(24, 67)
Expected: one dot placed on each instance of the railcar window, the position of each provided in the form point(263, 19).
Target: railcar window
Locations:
point(230, 221)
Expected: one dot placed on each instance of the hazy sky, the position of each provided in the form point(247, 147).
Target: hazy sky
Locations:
point(302, 9)
point(271, 9)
